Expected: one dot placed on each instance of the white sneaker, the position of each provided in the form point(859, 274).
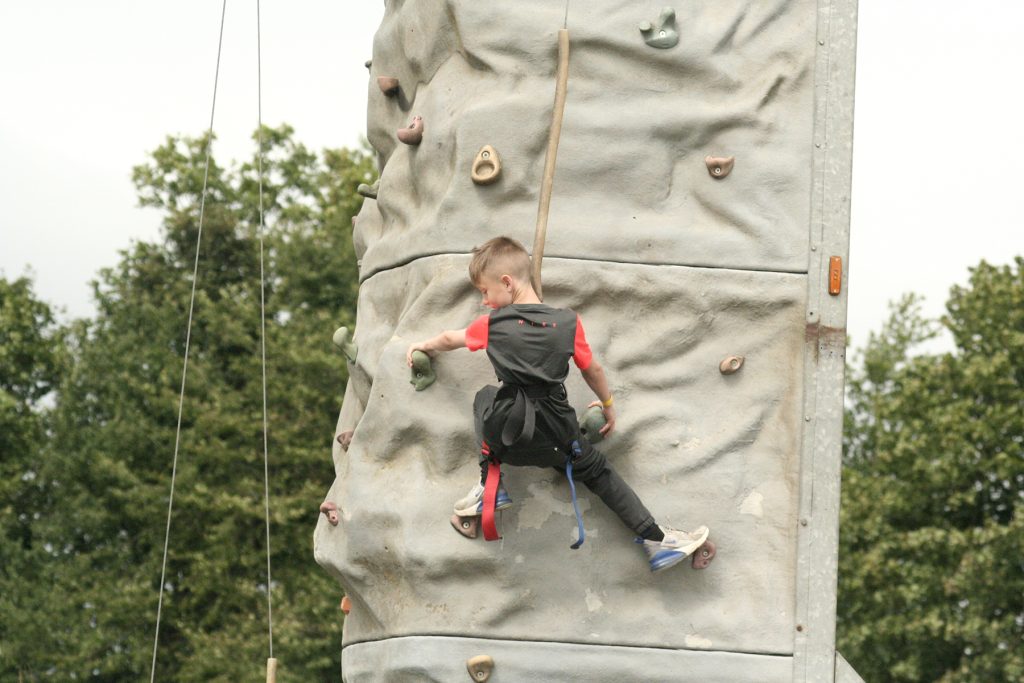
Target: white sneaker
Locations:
point(473, 503)
point(674, 548)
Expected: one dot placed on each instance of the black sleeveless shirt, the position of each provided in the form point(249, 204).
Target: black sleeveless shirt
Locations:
point(529, 345)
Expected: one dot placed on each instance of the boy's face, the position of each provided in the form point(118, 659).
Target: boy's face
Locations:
point(496, 291)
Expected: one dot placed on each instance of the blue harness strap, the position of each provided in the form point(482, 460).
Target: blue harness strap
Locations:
point(576, 452)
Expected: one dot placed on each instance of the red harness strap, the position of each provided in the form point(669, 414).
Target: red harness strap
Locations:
point(491, 497)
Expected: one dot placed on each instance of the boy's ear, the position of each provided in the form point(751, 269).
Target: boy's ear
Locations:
point(506, 281)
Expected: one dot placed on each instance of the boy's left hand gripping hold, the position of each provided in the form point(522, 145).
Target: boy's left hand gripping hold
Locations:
point(422, 371)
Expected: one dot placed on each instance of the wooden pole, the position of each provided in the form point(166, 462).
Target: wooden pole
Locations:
point(554, 134)
point(271, 670)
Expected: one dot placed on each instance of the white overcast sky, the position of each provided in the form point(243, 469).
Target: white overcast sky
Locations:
point(88, 88)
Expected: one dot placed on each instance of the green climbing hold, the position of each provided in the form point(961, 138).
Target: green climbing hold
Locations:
point(368, 191)
point(422, 371)
point(342, 341)
point(591, 424)
point(663, 34)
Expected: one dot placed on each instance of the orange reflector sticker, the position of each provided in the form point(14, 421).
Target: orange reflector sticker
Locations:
point(835, 275)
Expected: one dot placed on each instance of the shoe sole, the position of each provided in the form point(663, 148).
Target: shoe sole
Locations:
point(677, 555)
point(671, 559)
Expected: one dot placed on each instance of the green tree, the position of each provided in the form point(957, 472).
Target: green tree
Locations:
point(117, 412)
point(32, 361)
point(932, 523)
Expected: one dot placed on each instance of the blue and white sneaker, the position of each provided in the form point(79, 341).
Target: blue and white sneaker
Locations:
point(473, 504)
point(676, 546)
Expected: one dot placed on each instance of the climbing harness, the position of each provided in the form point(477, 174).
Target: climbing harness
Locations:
point(271, 662)
point(494, 480)
point(491, 498)
point(521, 420)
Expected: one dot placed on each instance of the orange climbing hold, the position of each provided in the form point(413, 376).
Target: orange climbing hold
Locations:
point(703, 555)
point(413, 133)
point(486, 166)
point(719, 167)
point(730, 365)
point(467, 526)
point(331, 510)
point(388, 85)
point(480, 667)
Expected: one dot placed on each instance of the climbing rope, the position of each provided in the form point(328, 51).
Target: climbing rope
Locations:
point(555, 132)
point(188, 339)
point(271, 662)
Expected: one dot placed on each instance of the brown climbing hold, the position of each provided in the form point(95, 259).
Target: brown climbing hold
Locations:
point(703, 555)
point(346, 605)
point(331, 510)
point(467, 526)
point(730, 364)
point(388, 85)
point(344, 439)
point(719, 167)
point(486, 166)
point(413, 133)
point(480, 667)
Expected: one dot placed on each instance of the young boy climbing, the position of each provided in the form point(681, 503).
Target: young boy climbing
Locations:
point(528, 419)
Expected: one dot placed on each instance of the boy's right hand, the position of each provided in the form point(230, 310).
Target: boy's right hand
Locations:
point(609, 417)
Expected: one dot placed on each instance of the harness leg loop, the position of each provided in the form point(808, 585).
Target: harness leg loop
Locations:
point(577, 452)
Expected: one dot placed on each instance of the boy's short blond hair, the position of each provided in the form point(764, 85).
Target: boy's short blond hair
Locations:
point(497, 257)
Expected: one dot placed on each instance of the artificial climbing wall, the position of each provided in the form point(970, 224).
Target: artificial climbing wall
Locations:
point(675, 262)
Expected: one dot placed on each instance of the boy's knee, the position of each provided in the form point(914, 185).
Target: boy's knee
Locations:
point(590, 464)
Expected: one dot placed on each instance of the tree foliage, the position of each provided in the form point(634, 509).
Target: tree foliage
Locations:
point(932, 526)
point(117, 409)
point(32, 361)
point(931, 572)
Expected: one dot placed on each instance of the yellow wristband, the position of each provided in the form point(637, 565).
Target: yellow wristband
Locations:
point(609, 402)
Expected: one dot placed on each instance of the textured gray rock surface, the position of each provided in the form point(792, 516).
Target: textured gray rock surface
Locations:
point(672, 271)
point(429, 659)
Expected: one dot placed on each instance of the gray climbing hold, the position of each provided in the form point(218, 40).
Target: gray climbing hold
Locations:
point(719, 167)
point(662, 34)
point(422, 371)
point(368, 63)
point(486, 166)
point(480, 667)
point(342, 340)
point(368, 191)
point(591, 424)
point(413, 133)
point(730, 365)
